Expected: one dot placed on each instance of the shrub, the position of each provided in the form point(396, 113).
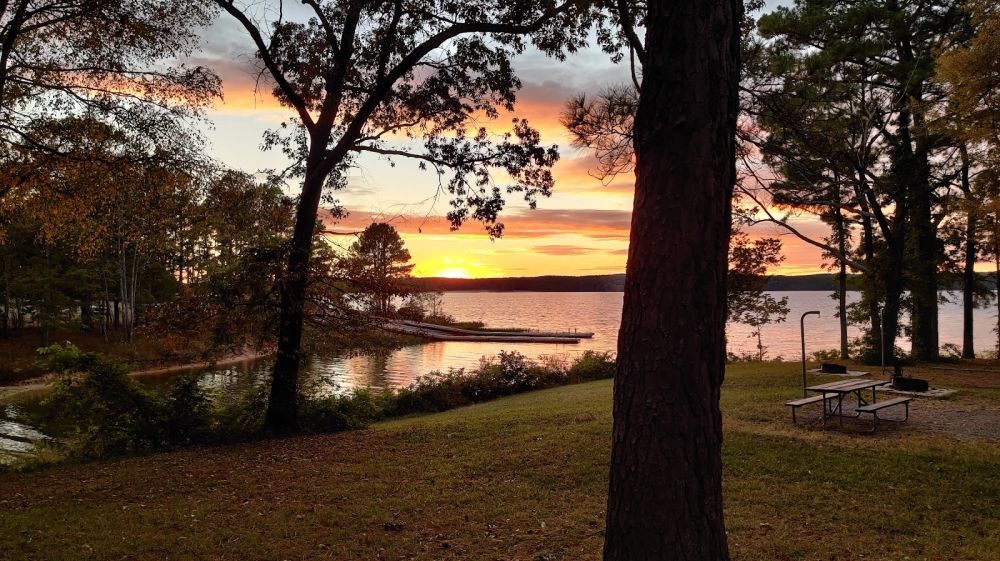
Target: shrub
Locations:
point(742, 357)
point(63, 359)
point(592, 365)
point(827, 355)
point(338, 413)
point(509, 373)
point(411, 310)
point(951, 350)
point(112, 414)
point(435, 392)
point(186, 413)
point(242, 417)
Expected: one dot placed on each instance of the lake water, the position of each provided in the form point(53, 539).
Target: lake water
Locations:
point(599, 312)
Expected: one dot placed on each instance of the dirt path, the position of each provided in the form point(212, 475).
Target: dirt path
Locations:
point(964, 417)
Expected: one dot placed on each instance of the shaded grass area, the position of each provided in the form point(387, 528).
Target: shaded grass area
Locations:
point(522, 477)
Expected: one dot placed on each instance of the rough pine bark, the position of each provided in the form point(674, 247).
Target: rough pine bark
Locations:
point(665, 487)
point(969, 287)
point(969, 272)
point(872, 350)
point(842, 284)
point(911, 170)
point(996, 281)
point(889, 317)
point(923, 264)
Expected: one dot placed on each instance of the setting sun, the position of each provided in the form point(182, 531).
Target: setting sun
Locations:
point(454, 273)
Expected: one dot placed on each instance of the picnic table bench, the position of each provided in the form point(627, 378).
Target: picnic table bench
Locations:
point(808, 400)
point(874, 408)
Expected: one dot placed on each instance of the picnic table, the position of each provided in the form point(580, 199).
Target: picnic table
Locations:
point(843, 389)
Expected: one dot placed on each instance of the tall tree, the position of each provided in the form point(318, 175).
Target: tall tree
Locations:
point(360, 73)
point(107, 201)
point(665, 488)
point(815, 131)
point(971, 72)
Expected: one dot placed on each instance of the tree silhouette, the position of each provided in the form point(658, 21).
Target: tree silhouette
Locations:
point(376, 263)
point(400, 80)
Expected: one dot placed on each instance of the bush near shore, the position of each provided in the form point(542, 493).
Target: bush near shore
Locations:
point(110, 414)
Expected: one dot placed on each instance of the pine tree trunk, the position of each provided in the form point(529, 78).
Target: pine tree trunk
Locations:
point(923, 267)
point(996, 280)
point(969, 288)
point(911, 170)
point(969, 273)
point(282, 407)
point(893, 296)
point(872, 350)
point(6, 308)
point(665, 485)
point(86, 315)
point(845, 353)
point(842, 283)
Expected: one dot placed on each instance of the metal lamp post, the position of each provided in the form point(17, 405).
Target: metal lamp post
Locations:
point(802, 326)
point(881, 336)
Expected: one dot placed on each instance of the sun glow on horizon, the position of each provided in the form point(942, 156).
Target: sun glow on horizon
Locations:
point(453, 273)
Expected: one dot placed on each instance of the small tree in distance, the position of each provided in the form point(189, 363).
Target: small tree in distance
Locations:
point(376, 264)
point(747, 300)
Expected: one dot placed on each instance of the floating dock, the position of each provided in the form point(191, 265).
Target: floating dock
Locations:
point(448, 333)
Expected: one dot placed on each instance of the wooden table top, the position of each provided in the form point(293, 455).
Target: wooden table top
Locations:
point(847, 386)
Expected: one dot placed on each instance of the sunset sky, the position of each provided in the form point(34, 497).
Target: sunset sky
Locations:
point(582, 229)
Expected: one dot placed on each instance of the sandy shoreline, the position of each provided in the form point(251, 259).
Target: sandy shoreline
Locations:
point(33, 386)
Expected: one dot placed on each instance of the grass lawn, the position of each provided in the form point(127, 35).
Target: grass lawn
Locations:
point(525, 478)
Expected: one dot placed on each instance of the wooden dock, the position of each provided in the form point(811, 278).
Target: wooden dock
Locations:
point(448, 333)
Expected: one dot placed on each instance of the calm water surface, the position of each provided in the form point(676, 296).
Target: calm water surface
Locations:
point(599, 312)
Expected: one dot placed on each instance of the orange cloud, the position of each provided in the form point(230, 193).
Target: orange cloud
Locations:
point(248, 91)
point(562, 250)
point(580, 173)
point(591, 223)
